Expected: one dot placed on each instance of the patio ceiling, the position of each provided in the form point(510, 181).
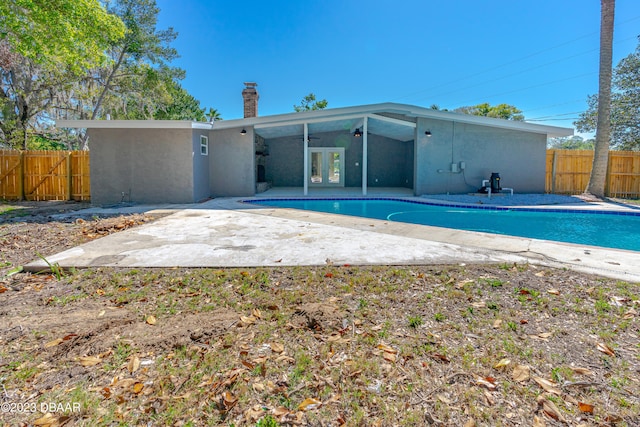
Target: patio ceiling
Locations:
point(400, 130)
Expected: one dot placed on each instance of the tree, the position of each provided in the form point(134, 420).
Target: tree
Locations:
point(598, 176)
point(500, 111)
point(44, 46)
point(309, 103)
point(571, 143)
point(214, 115)
point(183, 105)
point(69, 32)
point(625, 105)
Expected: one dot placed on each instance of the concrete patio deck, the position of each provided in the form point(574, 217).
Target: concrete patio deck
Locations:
point(227, 233)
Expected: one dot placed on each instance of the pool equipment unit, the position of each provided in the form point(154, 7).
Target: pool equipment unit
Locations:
point(492, 185)
point(495, 182)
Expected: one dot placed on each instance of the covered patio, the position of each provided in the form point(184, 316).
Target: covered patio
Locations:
point(336, 155)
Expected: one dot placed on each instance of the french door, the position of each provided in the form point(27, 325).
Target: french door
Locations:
point(326, 167)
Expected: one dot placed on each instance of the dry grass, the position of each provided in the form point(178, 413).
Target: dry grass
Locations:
point(407, 346)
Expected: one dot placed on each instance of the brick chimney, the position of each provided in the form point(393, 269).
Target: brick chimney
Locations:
point(250, 96)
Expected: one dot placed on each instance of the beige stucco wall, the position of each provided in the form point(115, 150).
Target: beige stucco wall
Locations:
point(518, 156)
point(148, 165)
point(231, 163)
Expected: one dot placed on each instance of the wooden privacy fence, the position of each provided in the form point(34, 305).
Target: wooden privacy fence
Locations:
point(44, 175)
point(568, 172)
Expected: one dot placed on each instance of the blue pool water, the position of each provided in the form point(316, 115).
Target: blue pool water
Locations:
point(608, 229)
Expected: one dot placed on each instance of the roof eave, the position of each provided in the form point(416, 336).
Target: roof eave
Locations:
point(132, 124)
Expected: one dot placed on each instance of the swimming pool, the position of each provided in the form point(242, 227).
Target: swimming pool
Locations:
point(619, 230)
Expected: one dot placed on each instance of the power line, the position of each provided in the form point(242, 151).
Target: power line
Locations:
point(516, 61)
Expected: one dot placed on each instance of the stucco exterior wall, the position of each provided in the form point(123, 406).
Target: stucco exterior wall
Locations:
point(231, 163)
point(148, 165)
point(518, 156)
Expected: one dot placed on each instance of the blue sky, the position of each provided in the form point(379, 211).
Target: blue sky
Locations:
point(540, 56)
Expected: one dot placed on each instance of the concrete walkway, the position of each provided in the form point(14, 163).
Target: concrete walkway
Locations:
point(228, 233)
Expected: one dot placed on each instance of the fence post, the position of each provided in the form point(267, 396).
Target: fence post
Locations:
point(553, 171)
point(69, 177)
point(21, 176)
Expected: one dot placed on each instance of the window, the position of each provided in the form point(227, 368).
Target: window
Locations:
point(204, 145)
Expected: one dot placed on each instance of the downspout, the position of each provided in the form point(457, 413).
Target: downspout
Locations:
point(305, 137)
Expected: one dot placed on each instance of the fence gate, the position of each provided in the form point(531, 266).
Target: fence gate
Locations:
point(44, 175)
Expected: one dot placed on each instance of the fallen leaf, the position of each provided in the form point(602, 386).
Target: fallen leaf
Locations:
point(441, 357)
point(100, 292)
point(151, 320)
point(605, 349)
point(286, 359)
point(228, 400)
point(258, 387)
point(502, 364)
point(89, 360)
point(137, 388)
point(582, 371)
point(490, 400)
point(497, 323)
point(257, 313)
point(309, 404)
point(487, 382)
point(389, 357)
point(547, 385)
point(550, 409)
point(585, 407)
point(545, 335)
point(387, 349)
point(553, 291)
point(630, 314)
point(521, 373)
point(276, 347)
point(134, 364)
point(247, 320)
point(46, 420)
point(3, 289)
point(53, 343)
point(280, 411)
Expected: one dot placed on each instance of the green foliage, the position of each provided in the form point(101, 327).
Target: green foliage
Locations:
point(73, 33)
point(415, 321)
point(74, 59)
point(571, 143)
point(309, 102)
point(267, 421)
point(500, 111)
point(625, 105)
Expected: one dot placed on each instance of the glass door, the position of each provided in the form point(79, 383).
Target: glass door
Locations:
point(326, 166)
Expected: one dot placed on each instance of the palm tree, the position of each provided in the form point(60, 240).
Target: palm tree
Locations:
point(603, 128)
point(214, 115)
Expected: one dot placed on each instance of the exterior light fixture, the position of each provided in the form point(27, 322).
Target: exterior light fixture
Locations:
point(428, 133)
point(357, 133)
point(243, 132)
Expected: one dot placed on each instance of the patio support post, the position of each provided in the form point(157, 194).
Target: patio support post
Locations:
point(365, 156)
point(306, 158)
